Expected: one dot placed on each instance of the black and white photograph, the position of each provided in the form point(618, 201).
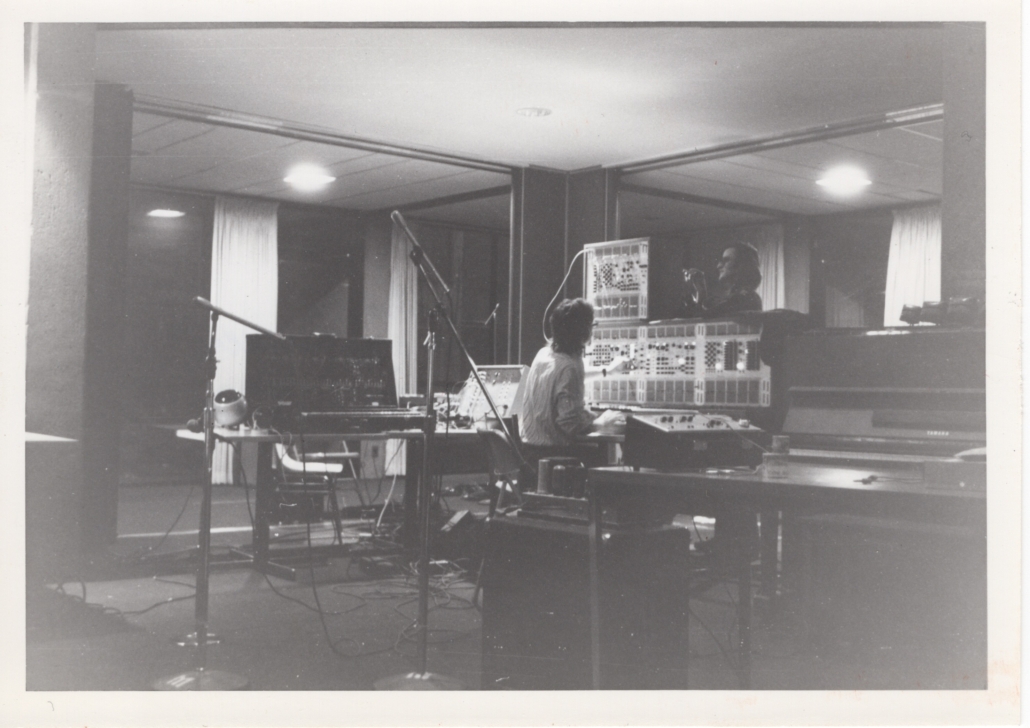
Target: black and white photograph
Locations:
point(518, 354)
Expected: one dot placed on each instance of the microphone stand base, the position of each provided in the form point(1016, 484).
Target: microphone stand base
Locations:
point(419, 681)
point(202, 680)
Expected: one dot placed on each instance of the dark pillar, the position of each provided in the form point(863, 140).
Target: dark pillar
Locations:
point(538, 256)
point(593, 216)
point(963, 228)
point(376, 290)
point(501, 268)
point(105, 368)
point(514, 267)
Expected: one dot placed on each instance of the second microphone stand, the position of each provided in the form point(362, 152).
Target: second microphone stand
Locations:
point(201, 678)
point(422, 679)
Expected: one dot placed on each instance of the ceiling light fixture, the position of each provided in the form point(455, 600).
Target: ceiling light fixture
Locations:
point(533, 111)
point(161, 212)
point(844, 181)
point(308, 178)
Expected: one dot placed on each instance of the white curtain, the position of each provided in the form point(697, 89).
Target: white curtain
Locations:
point(797, 271)
point(768, 241)
point(914, 261)
point(244, 281)
point(402, 330)
point(843, 309)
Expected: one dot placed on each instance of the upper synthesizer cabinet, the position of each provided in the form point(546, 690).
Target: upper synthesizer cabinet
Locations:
point(615, 279)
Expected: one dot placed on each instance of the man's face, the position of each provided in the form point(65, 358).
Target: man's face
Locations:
point(590, 332)
point(728, 266)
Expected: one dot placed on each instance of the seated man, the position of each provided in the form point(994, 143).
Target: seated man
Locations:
point(554, 413)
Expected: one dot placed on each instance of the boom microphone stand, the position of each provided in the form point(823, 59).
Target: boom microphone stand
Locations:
point(422, 679)
point(418, 255)
point(200, 678)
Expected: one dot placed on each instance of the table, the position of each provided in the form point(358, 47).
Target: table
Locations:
point(875, 490)
point(264, 479)
point(453, 451)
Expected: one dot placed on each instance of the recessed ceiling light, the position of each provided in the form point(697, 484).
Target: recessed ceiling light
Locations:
point(308, 178)
point(165, 213)
point(533, 111)
point(844, 181)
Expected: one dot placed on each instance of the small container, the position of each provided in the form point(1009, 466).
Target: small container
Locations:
point(558, 484)
point(577, 481)
point(543, 475)
point(775, 463)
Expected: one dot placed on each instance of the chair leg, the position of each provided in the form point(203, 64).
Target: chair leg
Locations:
point(479, 581)
point(335, 505)
point(357, 484)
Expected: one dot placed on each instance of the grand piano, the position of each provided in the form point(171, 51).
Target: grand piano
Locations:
point(913, 584)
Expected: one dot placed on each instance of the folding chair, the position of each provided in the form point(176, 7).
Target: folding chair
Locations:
point(318, 472)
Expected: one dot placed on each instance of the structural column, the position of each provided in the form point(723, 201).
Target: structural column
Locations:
point(593, 216)
point(105, 365)
point(553, 215)
point(376, 293)
point(62, 57)
point(963, 215)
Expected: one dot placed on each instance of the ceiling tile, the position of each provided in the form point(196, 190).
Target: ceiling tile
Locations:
point(931, 129)
point(722, 180)
point(899, 146)
point(157, 138)
point(643, 215)
point(887, 172)
point(145, 122)
point(225, 144)
point(491, 212)
point(167, 170)
point(408, 181)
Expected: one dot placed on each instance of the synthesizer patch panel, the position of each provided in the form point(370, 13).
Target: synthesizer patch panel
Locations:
point(615, 279)
point(679, 363)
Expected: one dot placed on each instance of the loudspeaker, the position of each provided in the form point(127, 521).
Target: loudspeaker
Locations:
point(536, 607)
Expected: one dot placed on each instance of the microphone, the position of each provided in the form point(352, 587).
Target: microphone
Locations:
point(493, 314)
point(195, 425)
point(399, 219)
point(222, 312)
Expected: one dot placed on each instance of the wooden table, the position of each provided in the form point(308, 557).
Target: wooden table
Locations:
point(876, 490)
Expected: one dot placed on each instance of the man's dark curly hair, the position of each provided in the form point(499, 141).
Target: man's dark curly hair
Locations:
point(572, 322)
point(750, 275)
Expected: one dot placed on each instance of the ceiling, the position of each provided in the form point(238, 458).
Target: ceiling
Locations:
point(425, 118)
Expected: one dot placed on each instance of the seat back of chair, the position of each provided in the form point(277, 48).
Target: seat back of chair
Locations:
point(500, 455)
point(504, 466)
point(291, 463)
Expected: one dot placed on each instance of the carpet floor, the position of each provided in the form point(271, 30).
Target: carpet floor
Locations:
point(115, 630)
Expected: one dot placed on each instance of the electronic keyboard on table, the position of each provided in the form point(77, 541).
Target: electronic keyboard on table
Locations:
point(324, 385)
point(357, 421)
